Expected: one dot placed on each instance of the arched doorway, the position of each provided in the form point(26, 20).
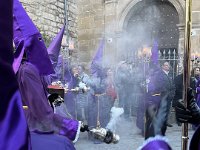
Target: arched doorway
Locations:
point(149, 21)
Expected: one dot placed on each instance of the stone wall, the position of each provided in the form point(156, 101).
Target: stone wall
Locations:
point(96, 21)
point(49, 16)
point(105, 18)
point(92, 20)
point(90, 27)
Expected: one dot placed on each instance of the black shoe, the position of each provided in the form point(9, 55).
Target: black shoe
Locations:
point(169, 125)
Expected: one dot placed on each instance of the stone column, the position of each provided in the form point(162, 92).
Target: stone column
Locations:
point(181, 28)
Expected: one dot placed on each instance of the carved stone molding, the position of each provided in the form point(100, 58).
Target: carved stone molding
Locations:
point(124, 14)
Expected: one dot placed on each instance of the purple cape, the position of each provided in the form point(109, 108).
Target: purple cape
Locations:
point(50, 142)
point(34, 96)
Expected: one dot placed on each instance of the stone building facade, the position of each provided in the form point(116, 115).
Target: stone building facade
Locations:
point(50, 15)
point(89, 21)
point(110, 19)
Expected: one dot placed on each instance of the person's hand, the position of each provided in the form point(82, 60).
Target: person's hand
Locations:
point(53, 97)
point(183, 115)
point(84, 128)
point(190, 114)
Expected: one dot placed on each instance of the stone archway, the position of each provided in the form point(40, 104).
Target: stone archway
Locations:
point(124, 15)
point(137, 11)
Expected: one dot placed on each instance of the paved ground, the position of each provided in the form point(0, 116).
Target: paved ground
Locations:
point(130, 138)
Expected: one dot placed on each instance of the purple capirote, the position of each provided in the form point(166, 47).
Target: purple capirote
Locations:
point(28, 40)
point(54, 47)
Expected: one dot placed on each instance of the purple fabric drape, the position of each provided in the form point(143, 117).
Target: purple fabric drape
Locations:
point(50, 142)
point(12, 120)
point(13, 124)
point(195, 140)
point(40, 115)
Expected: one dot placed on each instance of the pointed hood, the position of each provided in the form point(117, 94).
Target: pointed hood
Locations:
point(28, 40)
point(154, 52)
point(96, 64)
point(54, 48)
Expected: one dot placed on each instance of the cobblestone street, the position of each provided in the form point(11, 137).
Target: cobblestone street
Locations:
point(130, 138)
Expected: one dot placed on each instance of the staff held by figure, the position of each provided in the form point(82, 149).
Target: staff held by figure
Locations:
point(186, 73)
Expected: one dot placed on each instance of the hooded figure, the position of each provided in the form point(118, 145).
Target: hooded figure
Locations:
point(12, 120)
point(54, 48)
point(39, 115)
point(53, 52)
point(96, 65)
point(28, 41)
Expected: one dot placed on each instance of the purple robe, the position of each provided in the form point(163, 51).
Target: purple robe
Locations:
point(195, 140)
point(150, 97)
point(198, 95)
point(154, 89)
point(70, 97)
point(98, 93)
point(141, 112)
point(198, 92)
point(12, 120)
point(11, 112)
point(40, 115)
point(50, 142)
